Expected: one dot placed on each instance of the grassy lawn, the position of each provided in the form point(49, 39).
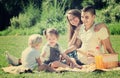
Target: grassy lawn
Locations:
point(16, 44)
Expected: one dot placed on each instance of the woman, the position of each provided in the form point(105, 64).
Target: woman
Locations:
point(74, 20)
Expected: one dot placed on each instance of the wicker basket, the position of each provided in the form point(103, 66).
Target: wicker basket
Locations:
point(106, 61)
point(110, 60)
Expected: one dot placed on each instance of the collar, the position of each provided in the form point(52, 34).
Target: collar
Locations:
point(56, 45)
point(91, 28)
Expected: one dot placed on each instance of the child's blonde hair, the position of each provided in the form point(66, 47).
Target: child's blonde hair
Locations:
point(34, 40)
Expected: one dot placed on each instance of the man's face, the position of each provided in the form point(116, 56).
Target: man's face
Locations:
point(87, 18)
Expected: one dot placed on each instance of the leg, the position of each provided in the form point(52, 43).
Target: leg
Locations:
point(12, 59)
point(45, 67)
point(72, 61)
point(76, 65)
point(78, 62)
point(57, 64)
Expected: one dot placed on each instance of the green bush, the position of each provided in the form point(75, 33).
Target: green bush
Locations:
point(26, 19)
point(109, 10)
point(53, 15)
point(6, 32)
point(114, 28)
point(43, 25)
point(111, 13)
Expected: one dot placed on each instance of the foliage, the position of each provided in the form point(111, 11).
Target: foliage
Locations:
point(9, 9)
point(110, 11)
point(114, 28)
point(34, 16)
point(26, 19)
point(52, 15)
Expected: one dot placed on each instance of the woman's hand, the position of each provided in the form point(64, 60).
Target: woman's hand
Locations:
point(99, 26)
point(77, 29)
point(90, 53)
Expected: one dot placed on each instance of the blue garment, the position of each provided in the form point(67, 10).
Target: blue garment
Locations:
point(73, 54)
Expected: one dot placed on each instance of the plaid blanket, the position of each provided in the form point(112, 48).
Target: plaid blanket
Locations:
point(85, 68)
point(15, 69)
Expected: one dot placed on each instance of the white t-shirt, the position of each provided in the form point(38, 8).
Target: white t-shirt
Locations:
point(29, 56)
point(95, 41)
point(90, 40)
point(85, 37)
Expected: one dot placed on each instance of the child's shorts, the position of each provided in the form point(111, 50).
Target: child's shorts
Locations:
point(73, 54)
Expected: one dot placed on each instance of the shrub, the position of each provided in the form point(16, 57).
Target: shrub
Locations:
point(26, 19)
point(114, 28)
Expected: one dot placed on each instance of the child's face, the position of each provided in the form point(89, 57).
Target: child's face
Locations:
point(73, 20)
point(87, 18)
point(38, 46)
point(52, 39)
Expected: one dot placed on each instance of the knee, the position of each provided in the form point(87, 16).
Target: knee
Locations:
point(42, 67)
point(54, 64)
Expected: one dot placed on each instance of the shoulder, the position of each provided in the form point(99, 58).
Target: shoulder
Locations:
point(46, 48)
point(27, 50)
point(100, 26)
point(34, 51)
point(59, 47)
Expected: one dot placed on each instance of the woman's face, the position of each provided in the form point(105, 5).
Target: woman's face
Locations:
point(87, 18)
point(73, 20)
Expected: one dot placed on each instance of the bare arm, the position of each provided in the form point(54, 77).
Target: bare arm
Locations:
point(43, 56)
point(70, 49)
point(67, 58)
point(107, 45)
point(72, 41)
point(38, 61)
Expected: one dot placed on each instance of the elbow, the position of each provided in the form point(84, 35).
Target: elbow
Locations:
point(110, 50)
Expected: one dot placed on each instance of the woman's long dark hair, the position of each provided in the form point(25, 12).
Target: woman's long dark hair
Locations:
point(71, 28)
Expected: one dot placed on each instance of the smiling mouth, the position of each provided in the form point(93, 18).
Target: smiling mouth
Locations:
point(52, 42)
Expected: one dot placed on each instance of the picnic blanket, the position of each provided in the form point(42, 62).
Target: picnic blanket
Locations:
point(85, 68)
point(15, 69)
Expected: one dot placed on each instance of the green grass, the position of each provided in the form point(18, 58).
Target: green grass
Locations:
point(16, 44)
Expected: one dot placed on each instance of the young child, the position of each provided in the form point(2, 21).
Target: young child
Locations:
point(31, 56)
point(52, 52)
